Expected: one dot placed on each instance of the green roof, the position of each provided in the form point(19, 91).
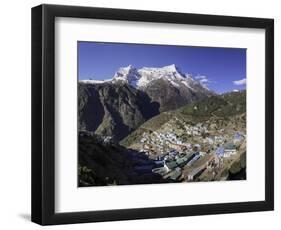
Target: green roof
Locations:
point(230, 146)
point(181, 160)
point(175, 175)
point(171, 164)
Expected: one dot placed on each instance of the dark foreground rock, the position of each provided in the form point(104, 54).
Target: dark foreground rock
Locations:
point(106, 163)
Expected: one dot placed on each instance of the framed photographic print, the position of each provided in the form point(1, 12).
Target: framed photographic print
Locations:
point(142, 114)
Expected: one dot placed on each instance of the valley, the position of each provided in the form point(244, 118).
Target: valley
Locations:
point(157, 125)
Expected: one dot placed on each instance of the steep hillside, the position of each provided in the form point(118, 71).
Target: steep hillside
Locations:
point(225, 112)
point(113, 110)
point(221, 105)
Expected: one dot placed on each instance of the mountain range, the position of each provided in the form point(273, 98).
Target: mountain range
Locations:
point(118, 106)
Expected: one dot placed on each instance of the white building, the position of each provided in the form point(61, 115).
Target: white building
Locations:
point(230, 150)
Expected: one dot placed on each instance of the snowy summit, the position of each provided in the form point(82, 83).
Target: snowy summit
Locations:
point(141, 78)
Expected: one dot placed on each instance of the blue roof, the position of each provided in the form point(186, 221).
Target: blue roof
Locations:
point(238, 136)
point(220, 151)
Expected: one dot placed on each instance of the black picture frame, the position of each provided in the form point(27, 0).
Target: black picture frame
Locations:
point(43, 110)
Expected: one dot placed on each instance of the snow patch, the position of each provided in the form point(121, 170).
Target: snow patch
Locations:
point(90, 81)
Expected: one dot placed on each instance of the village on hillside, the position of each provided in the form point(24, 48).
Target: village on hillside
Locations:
point(207, 155)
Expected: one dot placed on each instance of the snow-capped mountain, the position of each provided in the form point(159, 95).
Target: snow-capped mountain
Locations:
point(143, 77)
point(133, 96)
point(128, 75)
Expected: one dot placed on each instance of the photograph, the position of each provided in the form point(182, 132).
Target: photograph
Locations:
point(152, 114)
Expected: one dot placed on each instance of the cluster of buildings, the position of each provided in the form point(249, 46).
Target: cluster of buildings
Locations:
point(196, 130)
point(173, 165)
point(177, 160)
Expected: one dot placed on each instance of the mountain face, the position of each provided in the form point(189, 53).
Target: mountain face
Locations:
point(118, 106)
point(167, 85)
point(113, 109)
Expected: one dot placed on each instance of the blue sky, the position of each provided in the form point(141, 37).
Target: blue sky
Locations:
point(224, 68)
